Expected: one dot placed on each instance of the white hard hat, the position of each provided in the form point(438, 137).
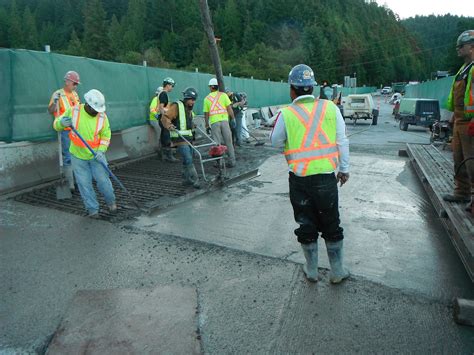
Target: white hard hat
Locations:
point(213, 82)
point(95, 99)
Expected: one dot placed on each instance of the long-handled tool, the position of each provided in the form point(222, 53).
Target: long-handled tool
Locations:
point(259, 143)
point(62, 190)
point(107, 169)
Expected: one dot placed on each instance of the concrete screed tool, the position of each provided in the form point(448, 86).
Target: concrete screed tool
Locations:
point(259, 143)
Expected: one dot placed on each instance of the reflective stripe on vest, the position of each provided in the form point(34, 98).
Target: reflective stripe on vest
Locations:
point(183, 128)
point(315, 151)
point(216, 107)
point(96, 141)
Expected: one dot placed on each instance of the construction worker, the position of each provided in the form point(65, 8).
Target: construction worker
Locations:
point(163, 99)
point(237, 107)
point(179, 118)
point(154, 110)
point(461, 102)
point(91, 122)
point(217, 110)
point(312, 132)
point(62, 100)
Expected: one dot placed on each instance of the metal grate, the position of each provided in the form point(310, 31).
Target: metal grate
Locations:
point(151, 181)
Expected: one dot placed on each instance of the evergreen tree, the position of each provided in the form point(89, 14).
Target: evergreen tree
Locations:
point(15, 31)
point(31, 39)
point(75, 45)
point(95, 42)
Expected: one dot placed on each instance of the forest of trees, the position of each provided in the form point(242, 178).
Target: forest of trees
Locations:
point(437, 35)
point(259, 38)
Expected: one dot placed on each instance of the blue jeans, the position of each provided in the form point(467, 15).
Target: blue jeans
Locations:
point(65, 143)
point(84, 172)
point(186, 153)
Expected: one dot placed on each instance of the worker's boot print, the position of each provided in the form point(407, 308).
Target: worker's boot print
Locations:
point(310, 269)
point(69, 177)
point(338, 271)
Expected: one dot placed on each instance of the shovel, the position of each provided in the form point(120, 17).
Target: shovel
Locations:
point(259, 143)
point(62, 190)
point(107, 169)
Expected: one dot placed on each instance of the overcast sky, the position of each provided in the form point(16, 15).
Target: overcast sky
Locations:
point(410, 8)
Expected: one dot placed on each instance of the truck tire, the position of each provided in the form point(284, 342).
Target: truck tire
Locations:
point(375, 117)
point(403, 125)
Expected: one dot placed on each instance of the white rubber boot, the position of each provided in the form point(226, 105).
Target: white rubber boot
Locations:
point(310, 269)
point(338, 271)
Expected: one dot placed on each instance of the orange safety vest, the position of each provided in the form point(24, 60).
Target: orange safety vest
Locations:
point(311, 137)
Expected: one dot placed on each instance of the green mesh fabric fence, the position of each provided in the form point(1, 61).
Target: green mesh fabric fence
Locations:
point(28, 78)
point(436, 89)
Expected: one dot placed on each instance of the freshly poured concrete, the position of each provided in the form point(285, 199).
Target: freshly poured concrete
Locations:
point(127, 321)
point(405, 271)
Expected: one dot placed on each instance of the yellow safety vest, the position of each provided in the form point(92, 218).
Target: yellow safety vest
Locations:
point(217, 103)
point(468, 95)
point(311, 137)
point(183, 127)
point(94, 129)
point(154, 108)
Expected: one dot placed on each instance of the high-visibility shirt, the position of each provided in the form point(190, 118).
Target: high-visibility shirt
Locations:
point(154, 108)
point(94, 129)
point(184, 123)
point(66, 101)
point(310, 146)
point(216, 105)
point(468, 110)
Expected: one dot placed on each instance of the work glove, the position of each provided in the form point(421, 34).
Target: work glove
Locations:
point(157, 115)
point(100, 157)
point(66, 122)
point(208, 131)
point(56, 97)
point(342, 178)
point(470, 129)
point(233, 124)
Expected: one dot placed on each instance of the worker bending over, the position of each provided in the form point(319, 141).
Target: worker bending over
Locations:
point(178, 119)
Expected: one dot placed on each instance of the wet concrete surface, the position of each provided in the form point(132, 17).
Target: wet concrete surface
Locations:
point(240, 256)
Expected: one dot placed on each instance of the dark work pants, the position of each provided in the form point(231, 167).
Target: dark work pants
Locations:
point(316, 207)
point(165, 137)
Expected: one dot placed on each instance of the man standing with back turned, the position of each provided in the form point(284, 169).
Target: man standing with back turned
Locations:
point(461, 102)
point(313, 134)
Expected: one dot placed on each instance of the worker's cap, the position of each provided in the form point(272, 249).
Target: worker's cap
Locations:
point(72, 76)
point(95, 99)
point(213, 82)
point(465, 38)
point(301, 76)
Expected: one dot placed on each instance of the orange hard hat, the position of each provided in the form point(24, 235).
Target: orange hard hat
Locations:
point(72, 76)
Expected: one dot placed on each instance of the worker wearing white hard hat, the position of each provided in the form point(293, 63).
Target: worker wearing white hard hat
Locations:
point(217, 111)
point(92, 124)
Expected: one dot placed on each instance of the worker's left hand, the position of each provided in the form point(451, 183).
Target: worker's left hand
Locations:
point(100, 157)
point(342, 178)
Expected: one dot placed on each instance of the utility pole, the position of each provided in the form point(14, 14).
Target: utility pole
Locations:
point(208, 28)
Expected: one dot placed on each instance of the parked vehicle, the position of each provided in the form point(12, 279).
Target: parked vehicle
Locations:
point(360, 106)
point(417, 112)
point(386, 90)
